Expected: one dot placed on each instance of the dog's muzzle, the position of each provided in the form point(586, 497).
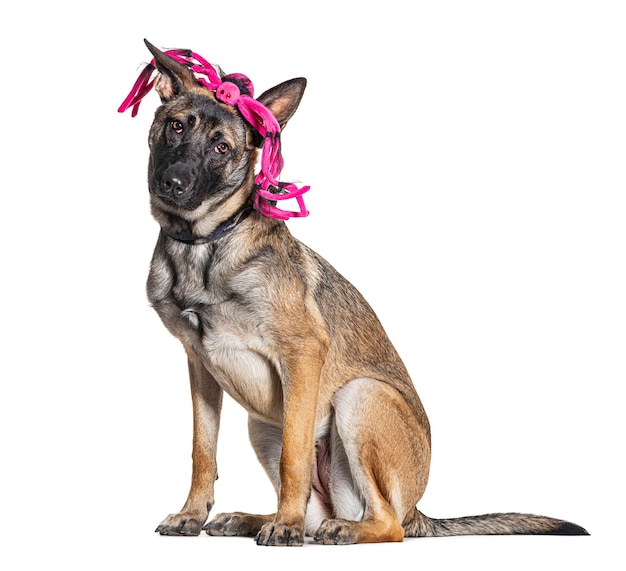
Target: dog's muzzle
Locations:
point(177, 183)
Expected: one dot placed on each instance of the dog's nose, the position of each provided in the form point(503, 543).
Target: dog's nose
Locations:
point(175, 185)
point(176, 181)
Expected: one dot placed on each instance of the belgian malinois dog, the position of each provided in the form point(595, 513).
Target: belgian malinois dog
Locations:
point(333, 415)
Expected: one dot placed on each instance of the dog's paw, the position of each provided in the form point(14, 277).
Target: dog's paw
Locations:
point(183, 523)
point(336, 532)
point(274, 533)
point(237, 523)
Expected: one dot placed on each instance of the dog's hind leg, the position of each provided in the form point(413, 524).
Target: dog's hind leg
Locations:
point(266, 441)
point(237, 524)
point(379, 464)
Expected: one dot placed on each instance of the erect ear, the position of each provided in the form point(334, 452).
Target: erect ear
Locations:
point(174, 79)
point(283, 100)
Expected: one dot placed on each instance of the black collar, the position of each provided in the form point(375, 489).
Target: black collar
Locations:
point(222, 230)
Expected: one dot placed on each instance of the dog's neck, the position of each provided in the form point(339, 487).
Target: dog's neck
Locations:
point(218, 232)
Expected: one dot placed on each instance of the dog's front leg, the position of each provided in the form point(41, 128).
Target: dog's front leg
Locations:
point(298, 450)
point(206, 398)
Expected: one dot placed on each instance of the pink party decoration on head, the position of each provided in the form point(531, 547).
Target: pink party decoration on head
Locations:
point(228, 90)
point(228, 93)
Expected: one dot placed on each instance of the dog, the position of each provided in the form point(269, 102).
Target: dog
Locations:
point(334, 417)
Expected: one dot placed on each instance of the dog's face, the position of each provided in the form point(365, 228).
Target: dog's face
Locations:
point(202, 150)
point(199, 150)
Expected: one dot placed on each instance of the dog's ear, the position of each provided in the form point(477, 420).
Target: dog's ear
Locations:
point(174, 78)
point(283, 100)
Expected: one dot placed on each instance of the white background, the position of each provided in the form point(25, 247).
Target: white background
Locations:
point(467, 169)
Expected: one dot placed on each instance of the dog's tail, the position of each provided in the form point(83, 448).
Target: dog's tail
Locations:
point(489, 524)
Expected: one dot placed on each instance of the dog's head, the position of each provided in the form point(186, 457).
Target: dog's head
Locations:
point(202, 151)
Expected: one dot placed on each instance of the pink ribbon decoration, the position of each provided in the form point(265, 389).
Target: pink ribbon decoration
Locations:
point(267, 187)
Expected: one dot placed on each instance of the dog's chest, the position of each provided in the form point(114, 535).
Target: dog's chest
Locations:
point(210, 308)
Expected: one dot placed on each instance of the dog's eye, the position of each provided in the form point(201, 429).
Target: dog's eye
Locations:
point(222, 148)
point(177, 126)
